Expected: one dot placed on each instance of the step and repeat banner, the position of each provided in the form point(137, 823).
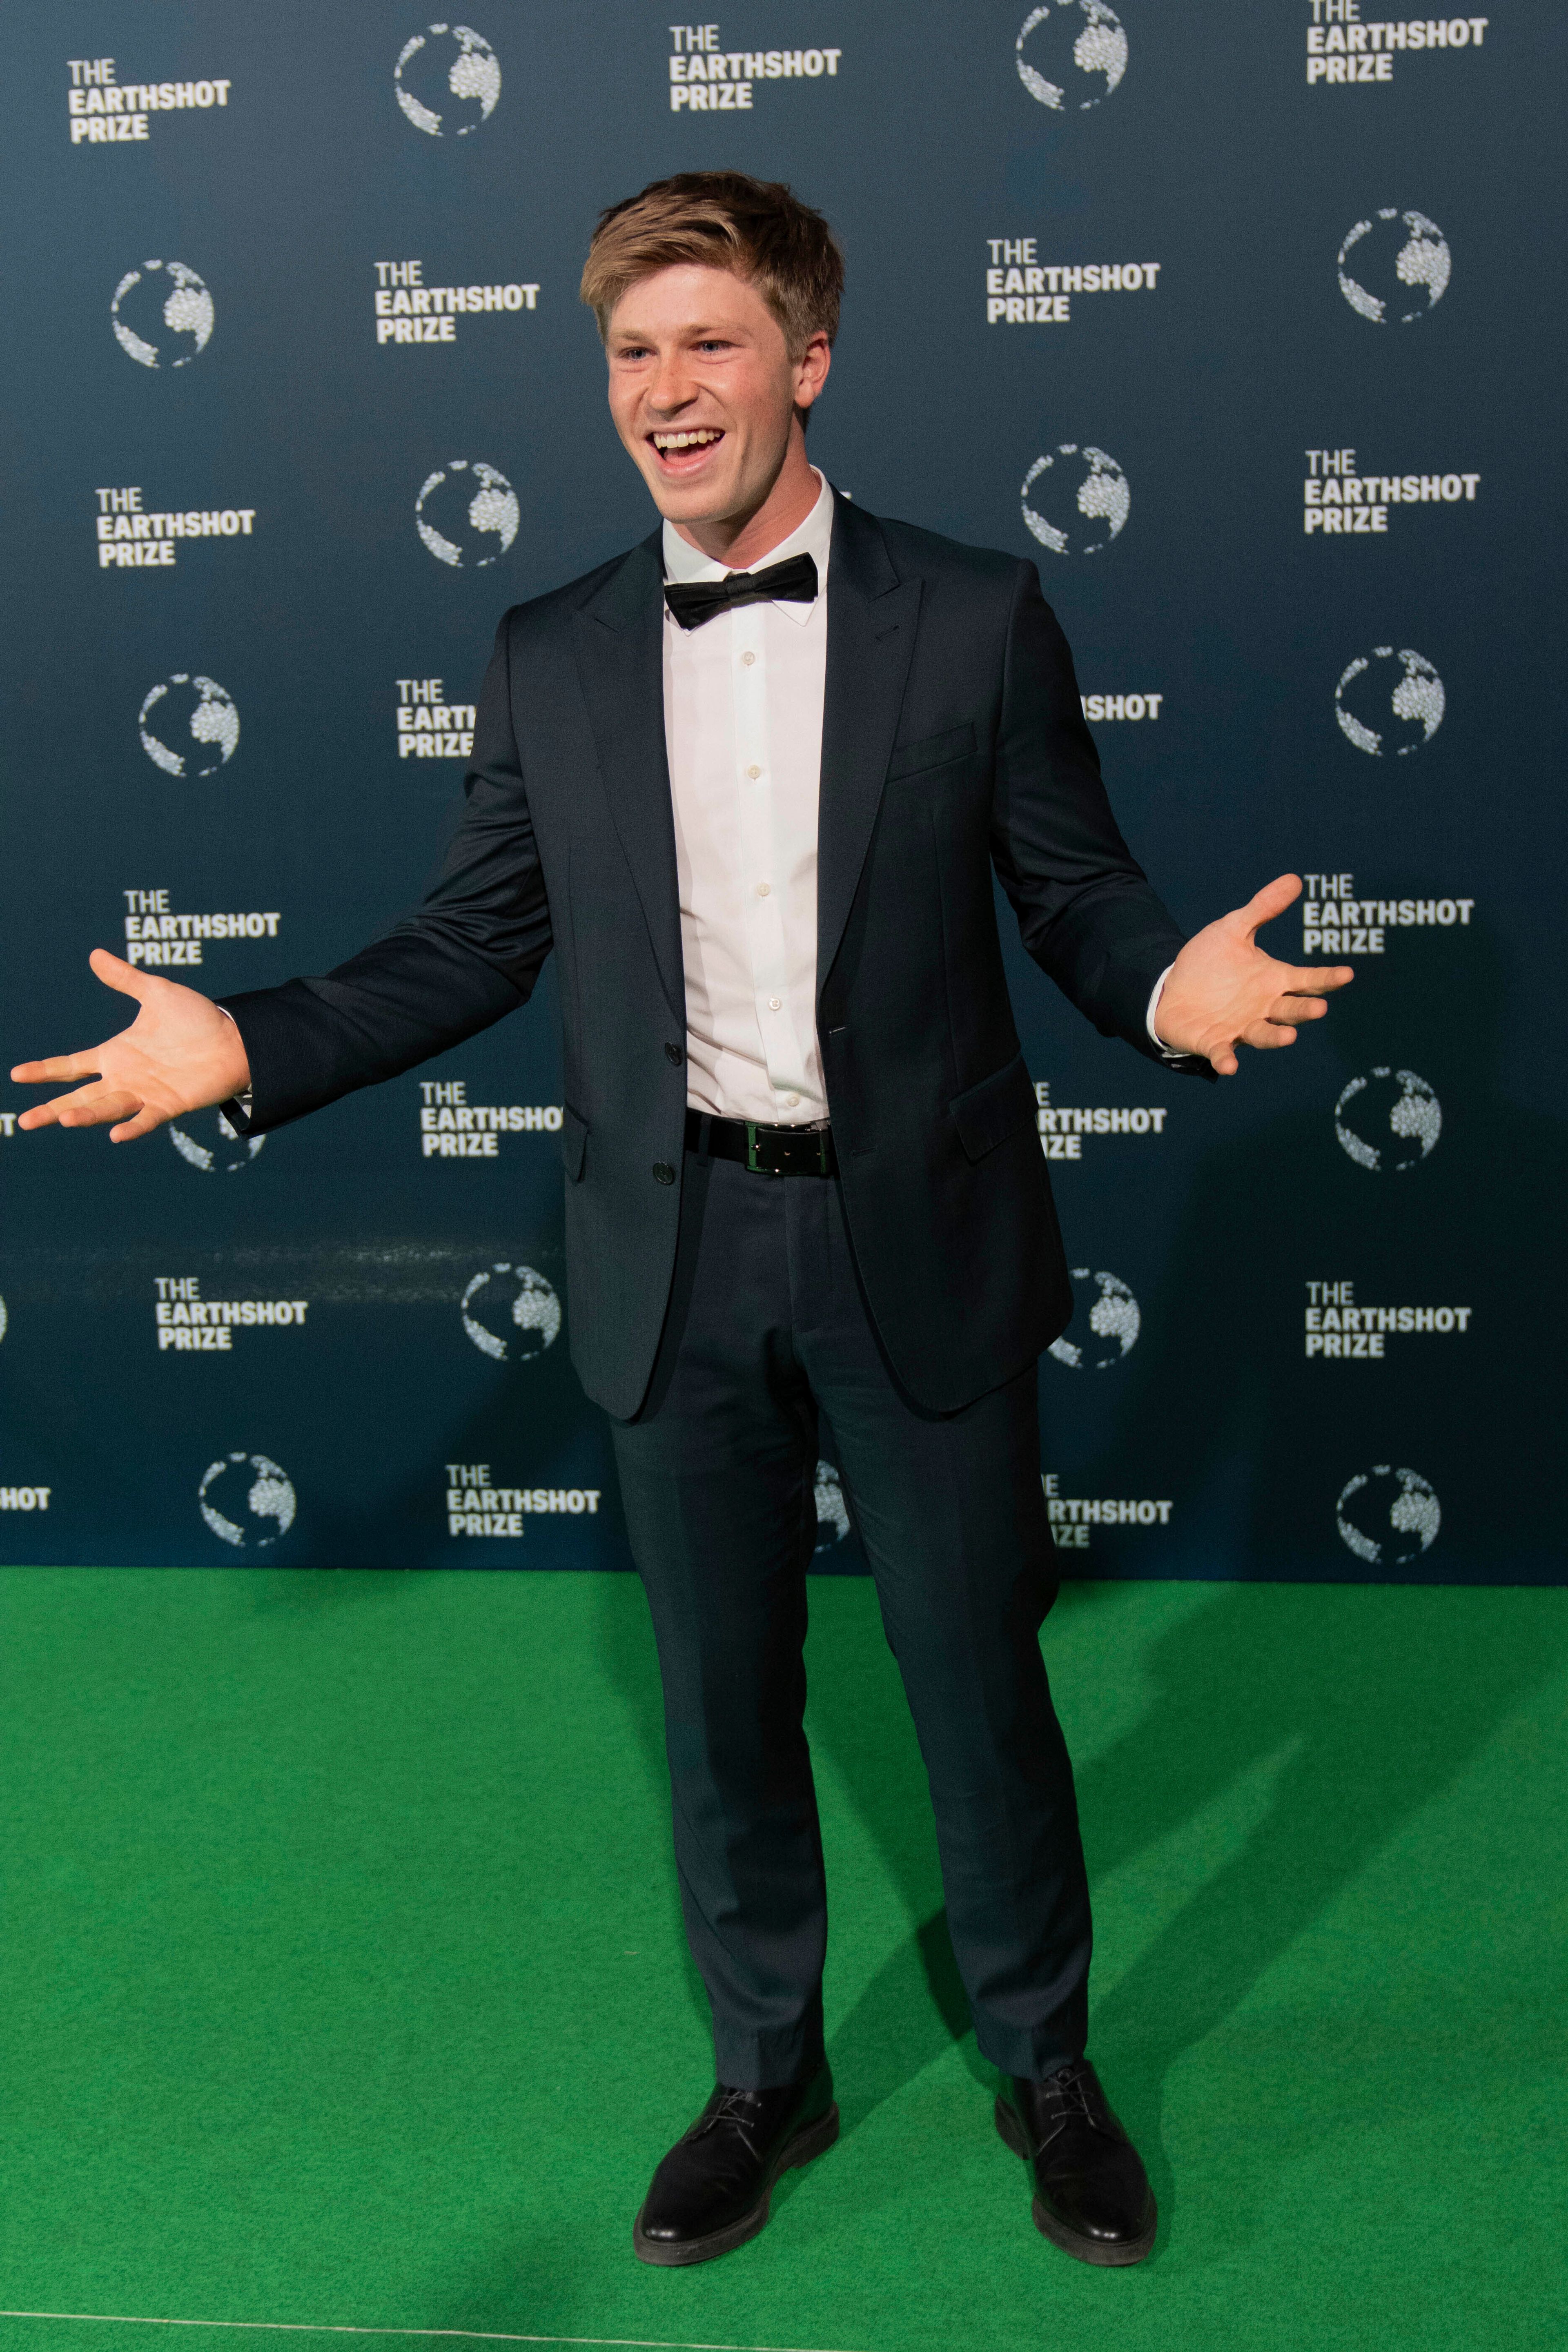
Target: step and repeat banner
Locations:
point(1241, 321)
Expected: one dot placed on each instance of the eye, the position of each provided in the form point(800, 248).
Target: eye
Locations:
point(715, 343)
point(633, 351)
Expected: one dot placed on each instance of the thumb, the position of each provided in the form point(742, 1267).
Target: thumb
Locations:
point(1271, 900)
point(115, 972)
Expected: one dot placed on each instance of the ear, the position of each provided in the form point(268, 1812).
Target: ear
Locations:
point(811, 370)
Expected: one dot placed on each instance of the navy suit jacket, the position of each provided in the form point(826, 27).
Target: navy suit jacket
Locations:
point(953, 744)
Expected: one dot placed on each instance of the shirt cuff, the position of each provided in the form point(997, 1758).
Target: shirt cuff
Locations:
point(1154, 1038)
point(243, 1103)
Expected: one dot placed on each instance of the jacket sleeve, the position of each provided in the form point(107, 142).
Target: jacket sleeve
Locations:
point(468, 956)
point(1084, 908)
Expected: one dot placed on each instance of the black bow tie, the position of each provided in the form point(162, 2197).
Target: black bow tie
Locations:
point(692, 601)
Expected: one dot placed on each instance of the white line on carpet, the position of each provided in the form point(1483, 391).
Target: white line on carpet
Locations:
point(343, 2327)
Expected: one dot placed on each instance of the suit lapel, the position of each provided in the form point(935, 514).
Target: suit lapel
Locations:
point(619, 634)
point(870, 637)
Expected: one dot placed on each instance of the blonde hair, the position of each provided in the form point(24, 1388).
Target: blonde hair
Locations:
point(756, 229)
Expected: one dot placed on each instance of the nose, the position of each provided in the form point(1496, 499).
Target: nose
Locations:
point(672, 388)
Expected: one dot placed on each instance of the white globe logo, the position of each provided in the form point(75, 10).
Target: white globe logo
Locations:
point(1395, 267)
point(466, 513)
point(1082, 501)
point(448, 78)
point(832, 1510)
point(226, 1151)
point(5, 1318)
point(246, 1500)
point(1114, 1323)
point(1388, 1119)
point(189, 726)
point(162, 314)
point(1071, 53)
point(1390, 699)
point(1387, 1516)
point(509, 1311)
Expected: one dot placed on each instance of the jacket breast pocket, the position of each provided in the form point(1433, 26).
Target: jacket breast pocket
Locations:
point(931, 752)
point(997, 1107)
point(574, 1143)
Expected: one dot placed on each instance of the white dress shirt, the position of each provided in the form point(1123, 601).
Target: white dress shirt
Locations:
point(743, 723)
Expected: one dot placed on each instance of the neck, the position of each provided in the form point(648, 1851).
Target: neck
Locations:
point(742, 540)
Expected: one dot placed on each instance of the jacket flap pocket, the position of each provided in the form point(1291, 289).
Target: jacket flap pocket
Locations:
point(933, 751)
point(574, 1143)
point(998, 1106)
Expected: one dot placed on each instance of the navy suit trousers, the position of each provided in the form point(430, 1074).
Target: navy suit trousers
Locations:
point(768, 1332)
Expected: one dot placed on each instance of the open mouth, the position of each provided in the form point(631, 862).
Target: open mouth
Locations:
point(684, 449)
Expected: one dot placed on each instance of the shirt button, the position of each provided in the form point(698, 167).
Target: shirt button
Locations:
point(753, 773)
point(774, 1003)
point(761, 889)
point(791, 1100)
point(663, 1173)
point(748, 659)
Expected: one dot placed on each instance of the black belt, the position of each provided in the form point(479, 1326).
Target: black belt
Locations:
point(765, 1151)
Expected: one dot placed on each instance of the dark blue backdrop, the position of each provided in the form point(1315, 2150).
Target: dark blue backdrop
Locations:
point(1272, 289)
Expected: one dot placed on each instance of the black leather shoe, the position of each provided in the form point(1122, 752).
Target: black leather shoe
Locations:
point(1092, 2197)
point(713, 2188)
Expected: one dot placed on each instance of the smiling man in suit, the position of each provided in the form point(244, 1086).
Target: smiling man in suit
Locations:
point(752, 782)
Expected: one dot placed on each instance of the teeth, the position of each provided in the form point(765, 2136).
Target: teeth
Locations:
point(697, 440)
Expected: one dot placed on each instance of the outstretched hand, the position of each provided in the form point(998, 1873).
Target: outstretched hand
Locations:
point(1225, 991)
point(180, 1054)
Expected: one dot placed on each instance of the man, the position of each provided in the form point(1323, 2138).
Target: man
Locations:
point(758, 818)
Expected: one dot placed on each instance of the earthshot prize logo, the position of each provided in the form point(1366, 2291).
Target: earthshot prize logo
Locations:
point(1394, 268)
point(1075, 500)
point(157, 937)
point(1113, 1324)
point(476, 1505)
point(246, 1500)
point(1338, 500)
point(1388, 700)
point(1072, 1516)
point(446, 80)
point(707, 78)
point(452, 1128)
point(1070, 54)
point(428, 726)
point(1339, 1331)
point(1062, 1127)
point(1342, 51)
point(194, 1326)
point(1388, 1517)
point(162, 314)
point(1388, 1121)
point(510, 1313)
point(409, 311)
point(104, 113)
point(21, 1498)
point(1336, 922)
point(188, 725)
point(135, 540)
point(466, 513)
point(1022, 291)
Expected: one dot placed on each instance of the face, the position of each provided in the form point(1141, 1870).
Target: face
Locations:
point(703, 392)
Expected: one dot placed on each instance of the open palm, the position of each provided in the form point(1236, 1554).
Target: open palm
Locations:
point(1225, 991)
point(180, 1054)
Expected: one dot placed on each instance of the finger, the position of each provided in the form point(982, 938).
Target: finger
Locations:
point(144, 1123)
point(1266, 1035)
point(50, 1073)
point(115, 972)
point(1314, 980)
point(89, 1107)
point(1224, 1061)
point(1271, 900)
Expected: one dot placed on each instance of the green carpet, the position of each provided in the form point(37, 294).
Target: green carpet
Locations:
point(341, 1979)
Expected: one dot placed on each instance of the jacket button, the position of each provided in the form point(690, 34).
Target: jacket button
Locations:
point(663, 1173)
point(674, 1054)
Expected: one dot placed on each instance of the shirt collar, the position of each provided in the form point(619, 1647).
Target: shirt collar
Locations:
point(812, 537)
